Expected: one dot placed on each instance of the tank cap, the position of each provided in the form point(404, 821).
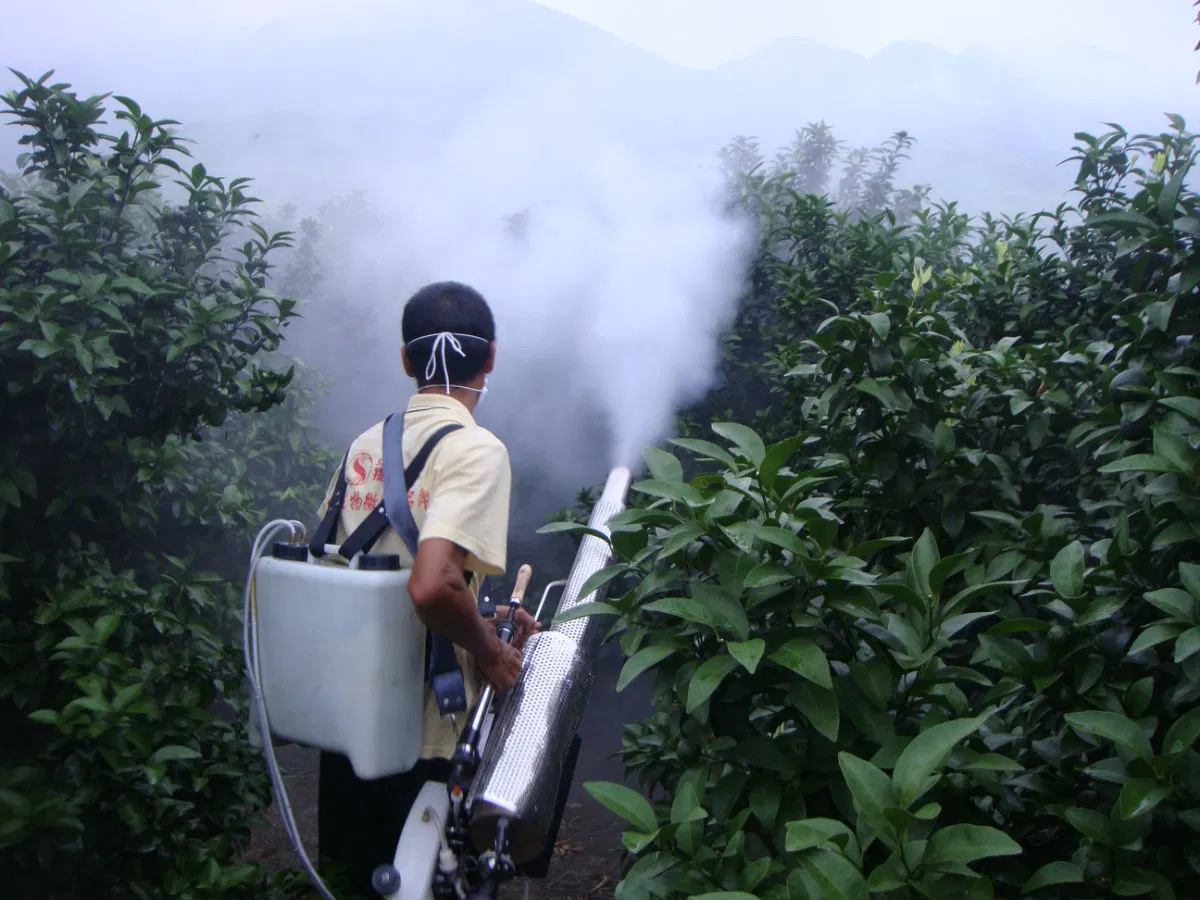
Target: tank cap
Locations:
point(379, 562)
point(294, 552)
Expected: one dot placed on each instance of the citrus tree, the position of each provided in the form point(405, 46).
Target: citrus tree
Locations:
point(938, 636)
point(135, 319)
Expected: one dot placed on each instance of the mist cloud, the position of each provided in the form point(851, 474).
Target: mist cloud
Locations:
point(609, 297)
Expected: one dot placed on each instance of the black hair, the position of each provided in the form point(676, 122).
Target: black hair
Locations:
point(459, 309)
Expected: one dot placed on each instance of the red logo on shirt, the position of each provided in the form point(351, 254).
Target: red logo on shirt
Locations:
point(360, 467)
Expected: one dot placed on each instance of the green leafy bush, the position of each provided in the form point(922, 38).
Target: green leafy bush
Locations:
point(130, 326)
point(938, 637)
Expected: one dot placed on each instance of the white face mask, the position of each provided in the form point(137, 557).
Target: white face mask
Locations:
point(462, 387)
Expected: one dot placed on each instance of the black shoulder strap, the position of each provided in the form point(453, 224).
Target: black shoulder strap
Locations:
point(328, 527)
point(393, 508)
point(442, 670)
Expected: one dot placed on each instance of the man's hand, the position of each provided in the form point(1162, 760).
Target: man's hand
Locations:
point(527, 625)
point(501, 666)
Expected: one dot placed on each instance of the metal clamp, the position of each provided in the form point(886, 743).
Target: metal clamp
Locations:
point(538, 615)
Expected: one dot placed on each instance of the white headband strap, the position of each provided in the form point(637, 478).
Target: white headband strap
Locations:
point(440, 340)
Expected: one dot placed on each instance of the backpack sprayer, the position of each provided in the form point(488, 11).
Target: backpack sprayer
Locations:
point(335, 651)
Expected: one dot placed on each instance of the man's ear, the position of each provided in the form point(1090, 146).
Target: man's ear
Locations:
point(491, 360)
point(408, 369)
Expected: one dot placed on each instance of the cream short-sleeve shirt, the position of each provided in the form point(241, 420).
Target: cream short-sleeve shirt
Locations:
point(462, 495)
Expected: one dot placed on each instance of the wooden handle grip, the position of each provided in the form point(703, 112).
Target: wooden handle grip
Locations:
point(523, 575)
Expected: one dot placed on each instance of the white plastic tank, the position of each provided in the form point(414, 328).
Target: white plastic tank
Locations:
point(341, 657)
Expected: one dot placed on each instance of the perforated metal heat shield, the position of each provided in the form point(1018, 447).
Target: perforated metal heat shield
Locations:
point(522, 765)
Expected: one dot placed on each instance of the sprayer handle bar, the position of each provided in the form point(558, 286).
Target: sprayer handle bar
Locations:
point(466, 755)
point(519, 587)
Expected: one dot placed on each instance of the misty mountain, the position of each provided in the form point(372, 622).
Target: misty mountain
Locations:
point(304, 108)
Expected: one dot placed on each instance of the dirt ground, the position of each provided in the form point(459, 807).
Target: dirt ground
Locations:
point(587, 853)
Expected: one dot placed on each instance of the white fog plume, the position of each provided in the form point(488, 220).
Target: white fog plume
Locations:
point(609, 295)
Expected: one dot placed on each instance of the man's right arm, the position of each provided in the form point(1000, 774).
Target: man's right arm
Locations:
point(444, 603)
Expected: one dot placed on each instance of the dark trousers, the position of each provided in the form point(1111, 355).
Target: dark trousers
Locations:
point(359, 822)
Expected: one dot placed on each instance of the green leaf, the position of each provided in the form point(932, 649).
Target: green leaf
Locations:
point(808, 833)
point(625, 802)
point(964, 844)
point(1066, 571)
point(707, 450)
point(708, 605)
point(748, 653)
point(780, 537)
point(806, 659)
point(926, 753)
point(1183, 732)
point(605, 576)
point(573, 528)
point(1140, 462)
point(921, 562)
point(991, 762)
point(880, 324)
point(890, 875)
point(767, 574)
point(9, 493)
point(885, 394)
point(1139, 796)
point(173, 752)
point(764, 801)
point(669, 490)
point(943, 440)
point(678, 538)
point(777, 455)
point(725, 895)
point(1155, 635)
point(744, 438)
point(583, 610)
point(635, 841)
point(1089, 823)
point(105, 626)
point(1114, 727)
point(663, 466)
point(1175, 603)
point(135, 285)
point(1188, 406)
point(1187, 644)
point(1138, 696)
point(708, 676)
point(644, 659)
point(836, 877)
point(875, 679)
point(1051, 874)
point(1189, 574)
point(955, 624)
point(686, 805)
point(1175, 449)
point(1168, 200)
point(871, 789)
point(820, 707)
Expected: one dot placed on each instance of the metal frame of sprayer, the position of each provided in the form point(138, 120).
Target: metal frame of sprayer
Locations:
point(466, 837)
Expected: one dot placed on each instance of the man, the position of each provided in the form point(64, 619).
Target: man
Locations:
point(460, 502)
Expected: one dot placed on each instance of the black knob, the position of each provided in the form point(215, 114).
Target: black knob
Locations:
point(385, 880)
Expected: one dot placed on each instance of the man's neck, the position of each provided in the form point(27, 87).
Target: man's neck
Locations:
point(466, 398)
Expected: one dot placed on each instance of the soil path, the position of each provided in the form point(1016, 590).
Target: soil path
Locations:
point(588, 851)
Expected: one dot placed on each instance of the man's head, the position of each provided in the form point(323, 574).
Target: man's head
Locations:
point(449, 336)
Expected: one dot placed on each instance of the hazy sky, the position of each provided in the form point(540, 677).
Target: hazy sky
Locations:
point(701, 33)
point(707, 32)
